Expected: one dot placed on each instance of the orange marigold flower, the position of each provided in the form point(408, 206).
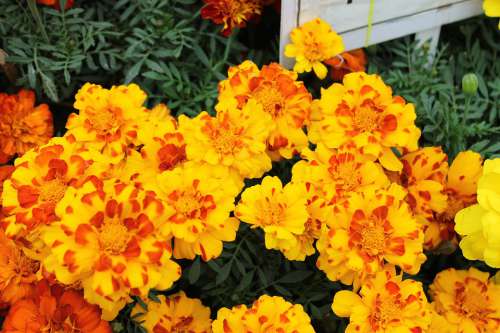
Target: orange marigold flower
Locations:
point(468, 300)
point(108, 240)
point(234, 138)
point(231, 13)
point(108, 118)
point(267, 314)
point(22, 125)
point(363, 113)
point(56, 3)
point(347, 62)
point(38, 183)
point(280, 95)
point(312, 43)
point(17, 272)
point(54, 309)
point(174, 313)
point(386, 303)
point(200, 199)
point(372, 228)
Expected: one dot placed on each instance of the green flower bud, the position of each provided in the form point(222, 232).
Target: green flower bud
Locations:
point(470, 84)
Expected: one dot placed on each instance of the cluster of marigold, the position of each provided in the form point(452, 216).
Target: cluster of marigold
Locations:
point(97, 216)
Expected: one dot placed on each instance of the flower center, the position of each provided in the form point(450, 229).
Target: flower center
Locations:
point(182, 325)
point(373, 239)
point(24, 266)
point(365, 119)
point(472, 303)
point(271, 100)
point(454, 205)
point(190, 204)
point(52, 191)
point(104, 122)
point(346, 172)
point(386, 311)
point(271, 213)
point(66, 326)
point(312, 51)
point(114, 237)
point(225, 142)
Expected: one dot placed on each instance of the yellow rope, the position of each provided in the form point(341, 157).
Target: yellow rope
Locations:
point(370, 22)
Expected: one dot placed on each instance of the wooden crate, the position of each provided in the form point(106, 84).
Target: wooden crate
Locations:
point(391, 19)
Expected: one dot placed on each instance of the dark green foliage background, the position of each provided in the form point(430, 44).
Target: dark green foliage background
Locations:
point(178, 58)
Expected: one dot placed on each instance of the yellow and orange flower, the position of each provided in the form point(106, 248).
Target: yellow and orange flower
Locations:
point(460, 189)
point(22, 125)
point(386, 303)
point(234, 138)
point(108, 118)
point(279, 210)
point(347, 62)
point(174, 313)
point(281, 96)
point(56, 3)
point(312, 43)
point(267, 314)
point(468, 300)
point(200, 200)
point(231, 13)
point(362, 113)
point(108, 240)
point(38, 183)
point(372, 228)
point(337, 173)
point(5, 172)
point(17, 272)
point(54, 309)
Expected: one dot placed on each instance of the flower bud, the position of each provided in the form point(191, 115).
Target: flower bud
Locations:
point(470, 84)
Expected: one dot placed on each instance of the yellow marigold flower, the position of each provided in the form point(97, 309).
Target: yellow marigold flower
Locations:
point(468, 300)
point(22, 125)
point(386, 303)
point(107, 120)
point(234, 138)
point(200, 203)
point(17, 272)
point(479, 224)
point(108, 240)
point(312, 43)
point(362, 112)
point(162, 148)
point(174, 313)
point(492, 9)
point(281, 96)
point(279, 210)
point(460, 188)
point(267, 314)
point(337, 173)
point(374, 227)
point(38, 183)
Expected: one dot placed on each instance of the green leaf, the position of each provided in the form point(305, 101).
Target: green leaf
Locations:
point(295, 277)
point(223, 274)
point(133, 72)
point(49, 87)
point(194, 271)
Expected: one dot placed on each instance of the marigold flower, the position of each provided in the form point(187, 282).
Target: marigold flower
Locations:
point(38, 183)
point(279, 210)
point(56, 3)
point(492, 8)
point(280, 95)
point(108, 240)
point(108, 118)
point(199, 202)
point(22, 125)
point(363, 113)
point(17, 272)
point(460, 188)
point(312, 43)
point(174, 313)
point(5, 172)
point(386, 303)
point(467, 299)
point(234, 138)
point(347, 62)
point(267, 314)
point(479, 224)
point(374, 227)
point(54, 309)
point(231, 13)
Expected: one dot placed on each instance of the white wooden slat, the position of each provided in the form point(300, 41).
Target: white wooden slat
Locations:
point(411, 24)
point(314, 10)
point(355, 15)
point(289, 21)
point(430, 36)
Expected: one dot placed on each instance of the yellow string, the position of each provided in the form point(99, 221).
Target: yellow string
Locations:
point(370, 22)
